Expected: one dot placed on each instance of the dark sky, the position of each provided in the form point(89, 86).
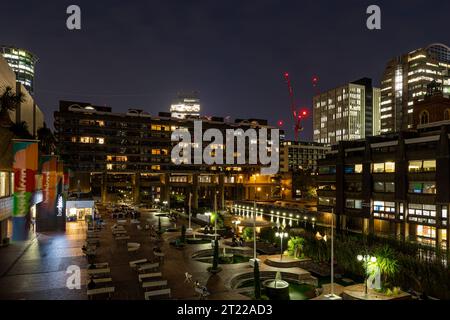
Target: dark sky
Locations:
point(140, 53)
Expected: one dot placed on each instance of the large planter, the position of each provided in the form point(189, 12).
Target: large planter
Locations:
point(214, 271)
point(276, 290)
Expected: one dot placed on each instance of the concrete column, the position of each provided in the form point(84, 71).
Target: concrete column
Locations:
point(195, 192)
point(371, 225)
point(398, 230)
point(438, 238)
point(221, 196)
point(104, 187)
point(406, 230)
point(137, 188)
point(366, 226)
point(343, 222)
point(166, 189)
point(448, 238)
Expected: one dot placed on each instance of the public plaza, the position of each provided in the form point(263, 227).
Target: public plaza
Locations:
point(132, 259)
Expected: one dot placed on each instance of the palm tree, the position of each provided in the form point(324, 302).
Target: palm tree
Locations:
point(46, 139)
point(9, 101)
point(20, 130)
point(387, 262)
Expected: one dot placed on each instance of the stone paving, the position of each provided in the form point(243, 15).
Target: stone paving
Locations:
point(36, 269)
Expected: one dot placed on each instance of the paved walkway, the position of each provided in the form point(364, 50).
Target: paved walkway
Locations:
point(36, 269)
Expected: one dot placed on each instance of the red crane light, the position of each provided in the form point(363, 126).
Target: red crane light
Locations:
point(280, 123)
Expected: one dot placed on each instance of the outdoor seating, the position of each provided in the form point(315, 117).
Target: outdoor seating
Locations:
point(133, 246)
point(99, 291)
point(99, 280)
point(98, 271)
point(135, 263)
point(123, 238)
point(154, 284)
point(188, 277)
point(152, 275)
point(157, 293)
point(148, 266)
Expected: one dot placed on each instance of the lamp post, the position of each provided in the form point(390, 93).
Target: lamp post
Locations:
point(254, 221)
point(365, 260)
point(215, 218)
point(189, 230)
point(332, 296)
point(281, 235)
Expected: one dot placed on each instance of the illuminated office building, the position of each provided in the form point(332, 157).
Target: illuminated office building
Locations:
point(404, 83)
point(349, 112)
point(186, 105)
point(22, 62)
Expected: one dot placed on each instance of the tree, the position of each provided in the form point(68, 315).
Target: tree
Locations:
point(305, 181)
point(47, 141)
point(387, 262)
point(295, 247)
point(247, 233)
point(20, 130)
point(257, 278)
point(9, 101)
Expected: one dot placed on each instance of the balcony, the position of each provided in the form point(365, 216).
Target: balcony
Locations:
point(422, 176)
point(326, 193)
point(383, 196)
point(326, 177)
point(421, 198)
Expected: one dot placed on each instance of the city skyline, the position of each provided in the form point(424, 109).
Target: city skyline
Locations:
point(165, 50)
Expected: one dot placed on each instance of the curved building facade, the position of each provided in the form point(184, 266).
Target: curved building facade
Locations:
point(22, 62)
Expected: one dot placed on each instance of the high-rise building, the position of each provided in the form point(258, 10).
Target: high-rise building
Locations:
point(22, 62)
point(405, 81)
point(185, 105)
point(348, 112)
point(27, 111)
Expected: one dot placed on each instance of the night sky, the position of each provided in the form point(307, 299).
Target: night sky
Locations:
point(139, 54)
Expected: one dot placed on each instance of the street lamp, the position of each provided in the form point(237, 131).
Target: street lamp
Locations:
point(281, 235)
point(189, 230)
point(366, 259)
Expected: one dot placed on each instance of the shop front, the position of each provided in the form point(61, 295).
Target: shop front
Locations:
point(79, 210)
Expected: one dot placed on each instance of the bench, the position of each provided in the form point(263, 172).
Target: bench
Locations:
point(148, 266)
point(149, 276)
point(118, 232)
point(100, 265)
point(106, 290)
point(134, 263)
point(99, 280)
point(98, 271)
point(154, 284)
point(123, 238)
point(157, 293)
